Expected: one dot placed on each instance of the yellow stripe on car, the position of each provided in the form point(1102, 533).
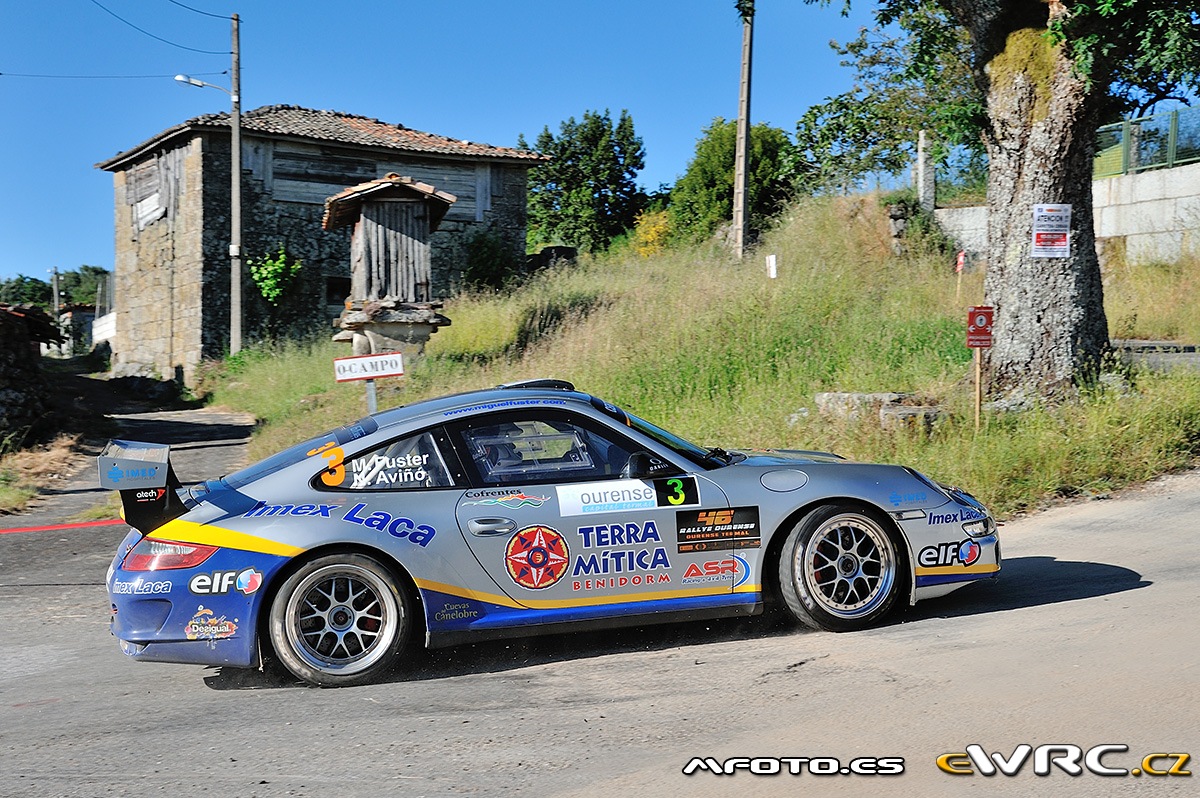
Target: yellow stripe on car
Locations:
point(191, 532)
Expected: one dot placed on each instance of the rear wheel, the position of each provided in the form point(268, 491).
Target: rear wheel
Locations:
point(839, 569)
point(340, 620)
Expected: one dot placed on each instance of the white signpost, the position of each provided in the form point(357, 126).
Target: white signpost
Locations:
point(1051, 231)
point(369, 368)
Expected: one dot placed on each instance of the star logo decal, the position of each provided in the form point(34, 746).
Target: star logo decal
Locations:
point(536, 557)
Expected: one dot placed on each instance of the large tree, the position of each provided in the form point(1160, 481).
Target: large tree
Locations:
point(587, 194)
point(898, 91)
point(1049, 71)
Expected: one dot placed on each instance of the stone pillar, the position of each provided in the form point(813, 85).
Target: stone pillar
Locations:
point(389, 326)
point(926, 184)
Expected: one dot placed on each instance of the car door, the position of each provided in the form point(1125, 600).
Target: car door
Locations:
point(556, 525)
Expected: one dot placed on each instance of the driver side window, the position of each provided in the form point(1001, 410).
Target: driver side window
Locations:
point(539, 450)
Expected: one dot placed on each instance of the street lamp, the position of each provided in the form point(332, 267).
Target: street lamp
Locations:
point(235, 211)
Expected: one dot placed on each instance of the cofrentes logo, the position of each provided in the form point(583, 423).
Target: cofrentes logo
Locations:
point(1100, 760)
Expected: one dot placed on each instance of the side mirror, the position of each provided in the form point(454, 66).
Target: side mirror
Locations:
point(637, 467)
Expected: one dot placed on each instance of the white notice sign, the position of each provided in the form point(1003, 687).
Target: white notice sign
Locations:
point(1051, 231)
point(368, 367)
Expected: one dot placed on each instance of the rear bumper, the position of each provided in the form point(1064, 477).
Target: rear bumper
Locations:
point(206, 615)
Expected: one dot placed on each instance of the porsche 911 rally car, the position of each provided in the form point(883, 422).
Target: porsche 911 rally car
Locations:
point(529, 508)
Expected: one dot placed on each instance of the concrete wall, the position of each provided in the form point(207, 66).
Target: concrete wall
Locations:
point(1151, 216)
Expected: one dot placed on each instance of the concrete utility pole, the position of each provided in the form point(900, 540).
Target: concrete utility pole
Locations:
point(742, 158)
point(235, 210)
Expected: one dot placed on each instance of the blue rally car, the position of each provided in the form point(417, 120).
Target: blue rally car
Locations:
point(525, 509)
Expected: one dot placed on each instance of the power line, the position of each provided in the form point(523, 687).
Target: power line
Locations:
point(99, 77)
point(159, 38)
point(198, 11)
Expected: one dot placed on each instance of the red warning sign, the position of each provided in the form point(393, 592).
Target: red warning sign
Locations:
point(979, 327)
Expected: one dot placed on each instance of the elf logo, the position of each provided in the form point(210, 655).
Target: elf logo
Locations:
point(245, 581)
point(966, 553)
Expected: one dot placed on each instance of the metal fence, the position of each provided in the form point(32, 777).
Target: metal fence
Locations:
point(1152, 142)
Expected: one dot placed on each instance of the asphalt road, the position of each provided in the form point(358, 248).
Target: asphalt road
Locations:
point(1089, 637)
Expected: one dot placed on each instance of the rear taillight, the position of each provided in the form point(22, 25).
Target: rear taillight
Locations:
point(151, 554)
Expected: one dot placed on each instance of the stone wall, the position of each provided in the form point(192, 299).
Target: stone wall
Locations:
point(158, 276)
point(24, 394)
point(1150, 216)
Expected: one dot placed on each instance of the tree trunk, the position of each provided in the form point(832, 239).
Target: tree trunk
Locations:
point(1050, 329)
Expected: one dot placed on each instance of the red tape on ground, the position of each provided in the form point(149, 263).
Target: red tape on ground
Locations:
point(53, 527)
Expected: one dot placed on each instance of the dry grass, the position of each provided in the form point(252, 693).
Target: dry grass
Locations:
point(23, 472)
point(712, 349)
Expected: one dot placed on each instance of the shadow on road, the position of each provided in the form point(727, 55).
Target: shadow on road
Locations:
point(1024, 582)
point(1031, 582)
point(175, 431)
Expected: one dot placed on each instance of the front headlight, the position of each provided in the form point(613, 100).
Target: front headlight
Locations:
point(981, 528)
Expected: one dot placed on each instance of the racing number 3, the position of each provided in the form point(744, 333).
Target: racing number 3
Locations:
point(335, 473)
point(676, 492)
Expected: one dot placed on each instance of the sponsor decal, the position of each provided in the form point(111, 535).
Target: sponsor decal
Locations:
point(716, 530)
point(149, 495)
point(140, 587)
point(731, 570)
point(536, 557)
point(502, 405)
point(604, 560)
point(246, 581)
point(965, 553)
point(796, 766)
point(961, 515)
point(455, 612)
point(380, 470)
point(509, 499)
point(623, 495)
point(204, 625)
point(619, 581)
point(116, 473)
point(897, 498)
point(396, 526)
point(1070, 759)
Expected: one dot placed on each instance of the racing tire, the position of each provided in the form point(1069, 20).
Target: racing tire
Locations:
point(840, 569)
point(340, 620)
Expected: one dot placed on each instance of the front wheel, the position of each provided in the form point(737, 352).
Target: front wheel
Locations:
point(339, 620)
point(839, 569)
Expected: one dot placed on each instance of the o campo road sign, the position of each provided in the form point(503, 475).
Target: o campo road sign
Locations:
point(979, 327)
point(368, 367)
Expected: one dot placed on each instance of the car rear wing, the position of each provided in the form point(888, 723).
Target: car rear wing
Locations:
point(142, 474)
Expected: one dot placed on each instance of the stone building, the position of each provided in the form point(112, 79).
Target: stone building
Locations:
point(172, 206)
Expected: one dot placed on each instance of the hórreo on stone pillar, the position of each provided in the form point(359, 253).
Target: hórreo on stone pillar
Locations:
point(390, 308)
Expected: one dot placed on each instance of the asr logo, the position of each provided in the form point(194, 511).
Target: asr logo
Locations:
point(1070, 759)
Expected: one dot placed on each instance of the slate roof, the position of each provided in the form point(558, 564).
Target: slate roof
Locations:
point(344, 207)
point(294, 122)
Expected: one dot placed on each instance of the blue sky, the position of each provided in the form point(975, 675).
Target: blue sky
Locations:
point(484, 71)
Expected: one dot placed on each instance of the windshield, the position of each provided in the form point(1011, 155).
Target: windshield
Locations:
point(300, 451)
point(691, 451)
